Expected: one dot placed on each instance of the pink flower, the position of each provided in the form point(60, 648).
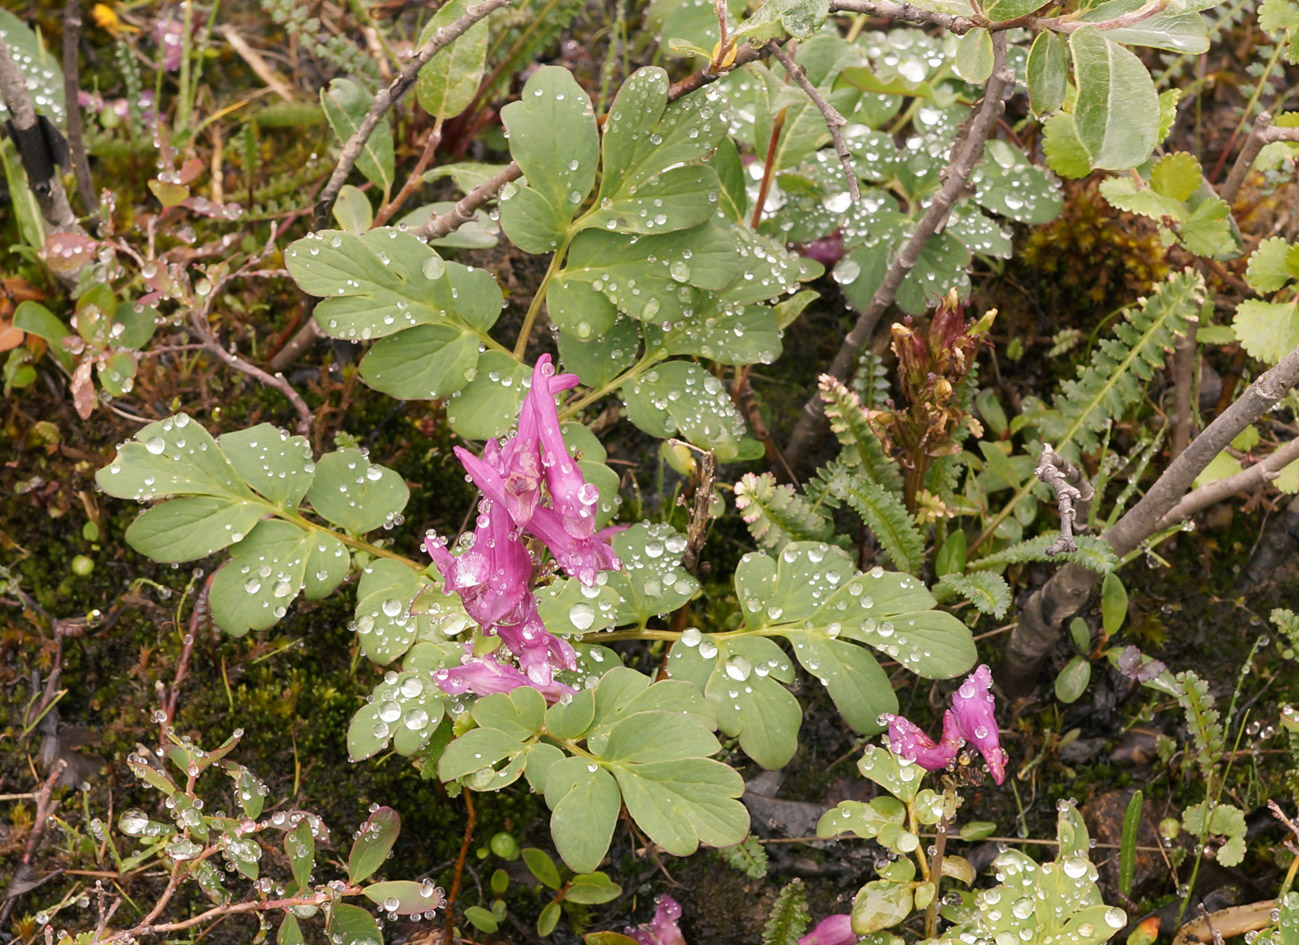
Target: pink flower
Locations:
point(511, 474)
point(493, 576)
point(909, 742)
point(971, 719)
point(975, 712)
point(832, 930)
point(663, 930)
point(483, 676)
point(169, 35)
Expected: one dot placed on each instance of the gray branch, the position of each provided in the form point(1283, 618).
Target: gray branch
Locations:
point(833, 120)
point(1042, 618)
point(1262, 133)
point(905, 12)
point(386, 98)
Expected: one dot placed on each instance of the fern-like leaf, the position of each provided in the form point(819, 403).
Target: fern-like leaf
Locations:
point(988, 592)
point(1093, 553)
point(789, 918)
point(1203, 721)
point(848, 420)
point(881, 510)
point(776, 514)
point(870, 382)
point(748, 857)
point(1112, 383)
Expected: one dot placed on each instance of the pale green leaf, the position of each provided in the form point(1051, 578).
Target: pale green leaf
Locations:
point(449, 81)
point(1267, 330)
point(1117, 112)
point(346, 104)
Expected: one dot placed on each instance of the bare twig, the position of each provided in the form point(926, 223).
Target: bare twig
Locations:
point(387, 97)
point(431, 143)
point(1263, 471)
point(270, 78)
point(454, 892)
point(905, 12)
point(1073, 494)
point(1261, 134)
point(464, 210)
point(833, 120)
point(196, 618)
point(1043, 616)
point(22, 877)
point(966, 153)
point(33, 147)
point(71, 82)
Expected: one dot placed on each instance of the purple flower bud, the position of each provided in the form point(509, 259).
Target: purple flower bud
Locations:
point(832, 930)
point(909, 742)
point(975, 708)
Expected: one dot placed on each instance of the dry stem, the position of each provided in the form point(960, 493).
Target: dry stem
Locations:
point(1262, 133)
point(1073, 494)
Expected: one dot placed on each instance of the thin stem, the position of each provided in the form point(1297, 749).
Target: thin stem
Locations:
point(1262, 133)
point(431, 143)
point(454, 893)
point(539, 297)
point(71, 83)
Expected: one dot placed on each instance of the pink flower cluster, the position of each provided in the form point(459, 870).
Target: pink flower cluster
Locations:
point(970, 719)
point(493, 577)
point(663, 929)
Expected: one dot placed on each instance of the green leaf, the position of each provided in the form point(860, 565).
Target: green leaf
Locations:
point(352, 925)
point(1267, 271)
point(1128, 843)
point(489, 404)
point(518, 713)
point(652, 580)
point(542, 866)
point(405, 710)
point(449, 81)
point(403, 896)
point(191, 527)
point(776, 514)
point(681, 804)
point(300, 845)
point(973, 61)
point(370, 849)
point(1006, 182)
point(749, 857)
point(354, 493)
point(650, 278)
point(1125, 194)
point(824, 57)
point(850, 423)
point(1117, 113)
point(599, 359)
point(1208, 231)
point(1072, 681)
point(422, 363)
point(1267, 330)
point(277, 465)
point(268, 569)
point(592, 889)
point(553, 139)
point(476, 750)
point(387, 618)
point(1114, 604)
point(1183, 32)
point(1094, 553)
point(776, 19)
point(880, 904)
point(36, 319)
point(864, 820)
point(1176, 176)
point(481, 919)
point(855, 681)
point(387, 280)
point(747, 334)
point(1048, 72)
point(548, 919)
point(346, 104)
point(290, 932)
point(584, 808)
point(680, 396)
point(1065, 153)
point(650, 182)
point(352, 210)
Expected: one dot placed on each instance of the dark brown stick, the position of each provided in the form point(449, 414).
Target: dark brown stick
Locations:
point(967, 151)
point(454, 892)
point(44, 808)
point(71, 83)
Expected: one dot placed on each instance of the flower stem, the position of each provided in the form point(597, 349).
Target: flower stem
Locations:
point(538, 298)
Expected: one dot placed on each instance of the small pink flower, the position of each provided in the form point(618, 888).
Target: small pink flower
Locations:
point(169, 35)
point(832, 930)
point(483, 676)
point(910, 743)
point(663, 930)
point(493, 576)
point(971, 719)
point(975, 710)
